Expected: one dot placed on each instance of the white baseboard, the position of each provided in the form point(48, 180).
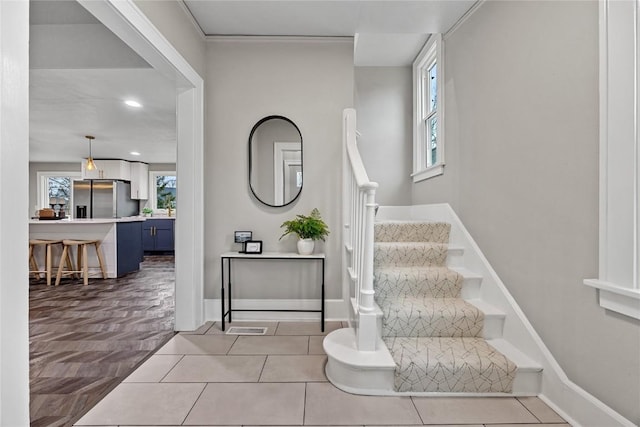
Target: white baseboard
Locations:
point(335, 309)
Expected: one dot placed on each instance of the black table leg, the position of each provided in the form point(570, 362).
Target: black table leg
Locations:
point(222, 289)
point(322, 307)
point(229, 283)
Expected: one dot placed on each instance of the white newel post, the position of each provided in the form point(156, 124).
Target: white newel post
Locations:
point(368, 330)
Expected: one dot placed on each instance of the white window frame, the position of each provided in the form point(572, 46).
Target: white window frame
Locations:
point(153, 190)
point(618, 281)
point(42, 191)
point(430, 54)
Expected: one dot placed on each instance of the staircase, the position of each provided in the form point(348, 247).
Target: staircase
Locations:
point(437, 333)
point(434, 336)
point(425, 316)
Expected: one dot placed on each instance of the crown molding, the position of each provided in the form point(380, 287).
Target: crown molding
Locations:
point(463, 18)
point(191, 18)
point(267, 39)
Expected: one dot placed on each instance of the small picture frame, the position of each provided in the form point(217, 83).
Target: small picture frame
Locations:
point(242, 236)
point(252, 247)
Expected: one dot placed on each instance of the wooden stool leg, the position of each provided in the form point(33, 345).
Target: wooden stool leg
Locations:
point(85, 264)
point(47, 265)
point(79, 263)
point(33, 263)
point(101, 260)
point(65, 255)
point(68, 261)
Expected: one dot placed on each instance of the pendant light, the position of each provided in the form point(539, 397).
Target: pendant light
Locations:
point(90, 163)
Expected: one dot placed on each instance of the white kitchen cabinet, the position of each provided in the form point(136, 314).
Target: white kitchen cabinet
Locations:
point(108, 169)
point(139, 180)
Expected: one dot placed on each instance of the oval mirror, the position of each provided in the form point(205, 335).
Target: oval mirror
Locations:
point(275, 161)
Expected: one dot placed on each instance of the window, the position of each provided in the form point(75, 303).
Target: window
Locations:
point(618, 280)
point(428, 144)
point(55, 190)
point(163, 189)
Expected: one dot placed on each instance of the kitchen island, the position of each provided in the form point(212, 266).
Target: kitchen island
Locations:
point(121, 240)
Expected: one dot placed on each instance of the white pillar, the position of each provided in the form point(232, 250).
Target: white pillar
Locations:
point(14, 213)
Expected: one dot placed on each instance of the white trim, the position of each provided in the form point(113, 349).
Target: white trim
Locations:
point(617, 298)
point(473, 9)
point(430, 52)
point(619, 159)
point(153, 190)
point(335, 309)
point(192, 19)
point(14, 200)
point(42, 198)
point(270, 39)
point(129, 23)
point(428, 173)
point(278, 173)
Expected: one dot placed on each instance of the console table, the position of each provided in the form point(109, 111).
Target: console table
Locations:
point(227, 257)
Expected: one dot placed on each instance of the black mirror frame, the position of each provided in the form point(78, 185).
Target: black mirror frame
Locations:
point(253, 130)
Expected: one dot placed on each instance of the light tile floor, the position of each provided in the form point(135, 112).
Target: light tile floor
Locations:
point(206, 378)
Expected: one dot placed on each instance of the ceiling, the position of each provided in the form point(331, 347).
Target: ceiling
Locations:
point(81, 73)
point(389, 32)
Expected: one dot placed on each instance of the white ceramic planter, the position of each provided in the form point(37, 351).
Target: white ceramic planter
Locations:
point(305, 246)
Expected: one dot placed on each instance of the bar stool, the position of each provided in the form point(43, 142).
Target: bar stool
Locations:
point(83, 263)
point(48, 263)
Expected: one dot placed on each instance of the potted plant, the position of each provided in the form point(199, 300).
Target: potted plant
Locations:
point(308, 229)
point(147, 211)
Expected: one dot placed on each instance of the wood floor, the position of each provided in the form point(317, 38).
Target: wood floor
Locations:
point(84, 340)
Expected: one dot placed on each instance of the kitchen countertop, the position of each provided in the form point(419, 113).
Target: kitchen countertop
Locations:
point(89, 220)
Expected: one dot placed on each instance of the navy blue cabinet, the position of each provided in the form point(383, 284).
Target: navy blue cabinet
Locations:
point(129, 247)
point(158, 235)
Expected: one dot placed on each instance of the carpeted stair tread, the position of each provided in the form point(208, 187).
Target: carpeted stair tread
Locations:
point(430, 317)
point(436, 282)
point(412, 231)
point(409, 254)
point(431, 332)
point(443, 365)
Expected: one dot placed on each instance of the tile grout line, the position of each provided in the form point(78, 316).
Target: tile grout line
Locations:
point(304, 405)
point(528, 410)
point(263, 366)
point(194, 402)
point(416, 409)
point(172, 368)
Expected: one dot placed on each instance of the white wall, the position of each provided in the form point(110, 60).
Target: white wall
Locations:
point(384, 101)
point(309, 82)
point(522, 120)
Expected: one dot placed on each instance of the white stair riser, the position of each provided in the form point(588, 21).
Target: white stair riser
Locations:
point(493, 326)
point(455, 257)
point(471, 288)
point(354, 379)
point(380, 381)
point(527, 382)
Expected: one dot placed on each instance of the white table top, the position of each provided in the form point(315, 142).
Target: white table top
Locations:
point(272, 255)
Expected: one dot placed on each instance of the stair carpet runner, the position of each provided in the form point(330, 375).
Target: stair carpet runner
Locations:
point(434, 336)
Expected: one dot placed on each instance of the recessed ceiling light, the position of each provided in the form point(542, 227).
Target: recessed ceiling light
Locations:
point(132, 103)
point(134, 153)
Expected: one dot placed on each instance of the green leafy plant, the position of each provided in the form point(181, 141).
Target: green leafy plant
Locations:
point(307, 227)
point(147, 211)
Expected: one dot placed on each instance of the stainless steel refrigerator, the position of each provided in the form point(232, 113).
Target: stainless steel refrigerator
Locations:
point(104, 198)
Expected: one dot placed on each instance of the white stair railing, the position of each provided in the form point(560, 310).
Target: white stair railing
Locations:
point(359, 214)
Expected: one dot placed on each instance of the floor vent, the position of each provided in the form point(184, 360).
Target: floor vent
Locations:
point(247, 330)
